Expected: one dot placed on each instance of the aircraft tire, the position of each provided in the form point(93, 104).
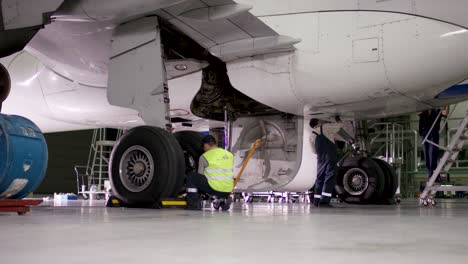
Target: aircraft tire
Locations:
point(360, 180)
point(5, 83)
point(391, 179)
point(146, 165)
point(190, 142)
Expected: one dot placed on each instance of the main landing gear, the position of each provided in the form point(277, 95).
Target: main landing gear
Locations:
point(149, 164)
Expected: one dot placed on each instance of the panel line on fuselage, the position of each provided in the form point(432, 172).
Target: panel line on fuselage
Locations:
point(360, 10)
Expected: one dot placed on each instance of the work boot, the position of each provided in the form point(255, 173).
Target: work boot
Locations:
point(226, 204)
point(217, 202)
point(194, 206)
point(325, 205)
point(194, 202)
point(316, 202)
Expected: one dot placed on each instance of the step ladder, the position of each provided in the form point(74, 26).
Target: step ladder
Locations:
point(445, 164)
point(91, 179)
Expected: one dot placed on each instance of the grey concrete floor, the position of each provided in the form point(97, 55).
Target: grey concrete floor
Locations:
point(258, 233)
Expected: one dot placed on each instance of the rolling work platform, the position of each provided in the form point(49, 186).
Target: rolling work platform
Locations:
point(445, 164)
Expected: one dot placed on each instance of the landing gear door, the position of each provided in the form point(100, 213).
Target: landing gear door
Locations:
point(137, 77)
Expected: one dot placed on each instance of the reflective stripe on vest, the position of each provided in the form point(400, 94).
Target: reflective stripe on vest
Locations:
point(220, 170)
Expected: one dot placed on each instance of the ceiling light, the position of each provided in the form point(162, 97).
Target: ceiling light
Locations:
point(453, 33)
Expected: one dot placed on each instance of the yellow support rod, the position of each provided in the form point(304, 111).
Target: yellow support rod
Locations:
point(256, 145)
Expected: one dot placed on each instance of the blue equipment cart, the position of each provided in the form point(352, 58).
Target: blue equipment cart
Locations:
point(23, 157)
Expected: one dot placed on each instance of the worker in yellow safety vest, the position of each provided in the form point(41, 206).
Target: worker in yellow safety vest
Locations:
point(215, 176)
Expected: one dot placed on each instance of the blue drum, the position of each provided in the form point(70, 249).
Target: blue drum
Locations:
point(23, 157)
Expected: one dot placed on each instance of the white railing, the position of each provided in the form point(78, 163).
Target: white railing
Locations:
point(391, 138)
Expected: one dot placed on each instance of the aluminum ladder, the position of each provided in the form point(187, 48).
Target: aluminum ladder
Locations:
point(92, 177)
point(445, 164)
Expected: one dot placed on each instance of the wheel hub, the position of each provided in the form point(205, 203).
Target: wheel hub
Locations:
point(136, 168)
point(139, 169)
point(355, 181)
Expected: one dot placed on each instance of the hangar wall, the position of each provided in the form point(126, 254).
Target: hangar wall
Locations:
point(66, 150)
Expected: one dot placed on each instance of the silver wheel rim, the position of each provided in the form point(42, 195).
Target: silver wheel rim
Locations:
point(136, 168)
point(355, 181)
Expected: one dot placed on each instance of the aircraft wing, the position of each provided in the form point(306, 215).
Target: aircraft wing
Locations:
point(226, 28)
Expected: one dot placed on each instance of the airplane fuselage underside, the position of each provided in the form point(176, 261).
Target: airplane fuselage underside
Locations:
point(356, 64)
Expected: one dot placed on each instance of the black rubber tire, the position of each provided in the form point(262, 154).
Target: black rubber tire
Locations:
point(191, 144)
point(168, 161)
point(5, 83)
point(391, 179)
point(374, 191)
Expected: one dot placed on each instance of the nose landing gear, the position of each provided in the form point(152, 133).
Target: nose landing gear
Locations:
point(366, 180)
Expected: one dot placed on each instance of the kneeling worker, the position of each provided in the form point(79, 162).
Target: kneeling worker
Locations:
point(215, 176)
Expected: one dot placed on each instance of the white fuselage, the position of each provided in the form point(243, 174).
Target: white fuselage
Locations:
point(358, 64)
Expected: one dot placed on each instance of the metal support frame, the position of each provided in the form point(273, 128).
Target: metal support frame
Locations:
point(227, 128)
point(362, 136)
point(278, 197)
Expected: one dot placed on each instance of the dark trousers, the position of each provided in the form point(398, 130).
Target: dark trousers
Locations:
point(431, 154)
point(197, 184)
point(326, 170)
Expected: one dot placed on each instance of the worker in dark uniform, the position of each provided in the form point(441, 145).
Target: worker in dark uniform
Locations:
point(327, 158)
point(215, 176)
point(431, 152)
